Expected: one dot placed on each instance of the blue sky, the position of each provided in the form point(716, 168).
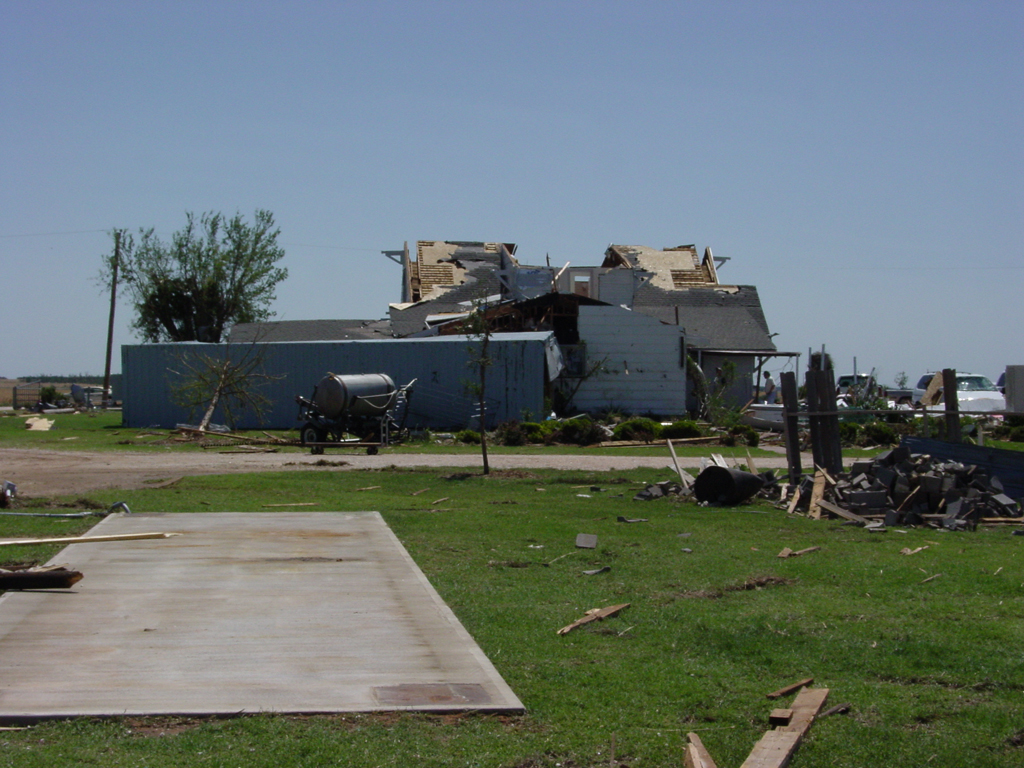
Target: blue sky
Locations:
point(861, 163)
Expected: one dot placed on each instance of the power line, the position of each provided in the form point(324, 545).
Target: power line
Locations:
point(330, 247)
point(51, 234)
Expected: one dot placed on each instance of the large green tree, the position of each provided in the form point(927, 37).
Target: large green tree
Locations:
point(215, 272)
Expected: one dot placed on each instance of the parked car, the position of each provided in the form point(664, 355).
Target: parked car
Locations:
point(973, 392)
point(858, 380)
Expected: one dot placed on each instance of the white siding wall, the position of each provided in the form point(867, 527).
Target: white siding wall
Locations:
point(643, 372)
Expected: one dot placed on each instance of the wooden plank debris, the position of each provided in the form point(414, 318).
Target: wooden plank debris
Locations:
point(838, 709)
point(844, 513)
point(373, 488)
point(790, 688)
point(294, 504)
point(909, 551)
point(696, 755)
point(794, 502)
point(806, 706)
point(594, 614)
point(685, 478)
point(787, 552)
point(774, 750)
point(46, 577)
point(87, 539)
point(777, 747)
point(817, 493)
point(780, 716)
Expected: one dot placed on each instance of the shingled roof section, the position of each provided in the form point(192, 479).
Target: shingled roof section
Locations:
point(685, 290)
point(474, 277)
point(310, 330)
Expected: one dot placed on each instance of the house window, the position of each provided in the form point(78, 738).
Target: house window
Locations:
point(581, 285)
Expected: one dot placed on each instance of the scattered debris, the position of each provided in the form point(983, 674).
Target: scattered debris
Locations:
point(550, 562)
point(8, 491)
point(758, 582)
point(786, 690)
point(87, 539)
point(435, 502)
point(594, 614)
point(780, 716)
point(622, 519)
point(838, 709)
point(901, 488)
point(38, 577)
point(294, 504)
point(909, 551)
point(930, 578)
point(596, 571)
point(38, 424)
point(696, 755)
point(660, 490)
point(776, 748)
point(586, 541)
point(787, 552)
point(376, 488)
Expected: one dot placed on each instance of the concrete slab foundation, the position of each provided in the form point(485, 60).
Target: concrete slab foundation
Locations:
point(243, 613)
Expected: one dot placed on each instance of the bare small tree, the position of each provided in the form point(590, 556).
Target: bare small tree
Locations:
point(478, 327)
point(231, 381)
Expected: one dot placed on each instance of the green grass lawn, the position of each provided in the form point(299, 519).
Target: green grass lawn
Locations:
point(101, 431)
point(934, 671)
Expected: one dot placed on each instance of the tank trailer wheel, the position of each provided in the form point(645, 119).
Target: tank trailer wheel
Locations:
point(311, 433)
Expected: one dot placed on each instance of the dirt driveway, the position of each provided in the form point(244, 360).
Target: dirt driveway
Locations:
point(40, 473)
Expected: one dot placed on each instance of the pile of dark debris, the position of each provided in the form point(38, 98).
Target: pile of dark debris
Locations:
point(898, 487)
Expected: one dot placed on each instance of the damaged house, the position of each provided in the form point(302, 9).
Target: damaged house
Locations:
point(632, 334)
point(626, 328)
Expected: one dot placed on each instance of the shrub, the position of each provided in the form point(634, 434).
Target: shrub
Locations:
point(1015, 420)
point(468, 436)
point(510, 433)
point(744, 433)
point(849, 432)
point(49, 394)
point(539, 432)
point(637, 429)
point(880, 433)
point(1017, 434)
point(579, 431)
point(680, 430)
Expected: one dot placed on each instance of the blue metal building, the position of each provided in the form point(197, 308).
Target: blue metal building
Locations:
point(523, 364)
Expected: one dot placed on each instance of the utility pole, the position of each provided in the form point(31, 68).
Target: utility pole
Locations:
point(110, 324)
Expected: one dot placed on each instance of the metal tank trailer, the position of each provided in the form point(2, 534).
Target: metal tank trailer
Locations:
point(364, 405)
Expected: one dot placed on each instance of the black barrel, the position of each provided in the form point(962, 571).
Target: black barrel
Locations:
point(719, 485)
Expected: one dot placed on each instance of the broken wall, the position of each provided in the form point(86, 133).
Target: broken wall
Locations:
point(643, 370)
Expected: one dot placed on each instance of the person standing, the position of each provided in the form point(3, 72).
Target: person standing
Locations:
point(769, 388)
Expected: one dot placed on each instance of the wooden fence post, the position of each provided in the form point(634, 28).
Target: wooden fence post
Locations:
point(790, 409)
point(952, 405)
